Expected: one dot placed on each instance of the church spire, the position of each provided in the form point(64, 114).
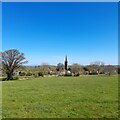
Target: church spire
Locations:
point(66, 63)
point(66, 58)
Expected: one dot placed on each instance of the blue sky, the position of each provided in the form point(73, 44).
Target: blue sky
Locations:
point(47, 32)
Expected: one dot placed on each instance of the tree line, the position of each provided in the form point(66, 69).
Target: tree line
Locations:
point(12, 61)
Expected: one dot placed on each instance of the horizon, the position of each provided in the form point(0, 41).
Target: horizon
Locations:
point(70, 65)
point(47, 32)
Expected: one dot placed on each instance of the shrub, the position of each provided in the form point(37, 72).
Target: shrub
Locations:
point(4, 79)
point(40, 74)
point(35, 75)
point(22, 73)
point(15, 78)
point(29, 74)
point(77, 74)
point(93, 73)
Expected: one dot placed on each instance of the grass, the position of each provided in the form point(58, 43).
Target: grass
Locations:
point(61, 97)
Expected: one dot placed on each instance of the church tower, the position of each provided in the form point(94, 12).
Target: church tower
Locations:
point(66, 64)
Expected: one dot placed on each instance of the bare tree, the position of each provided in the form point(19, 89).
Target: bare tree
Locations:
point(45, 68)
point(110, 69)
point(97, 66)
point(75, 68)
point(12, 60)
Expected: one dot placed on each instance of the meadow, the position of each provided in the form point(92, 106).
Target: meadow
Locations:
point(61, 97)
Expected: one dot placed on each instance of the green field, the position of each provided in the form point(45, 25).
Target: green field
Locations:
point(61, 97)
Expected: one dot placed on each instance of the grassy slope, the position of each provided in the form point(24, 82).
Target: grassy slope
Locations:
point(83, 97)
